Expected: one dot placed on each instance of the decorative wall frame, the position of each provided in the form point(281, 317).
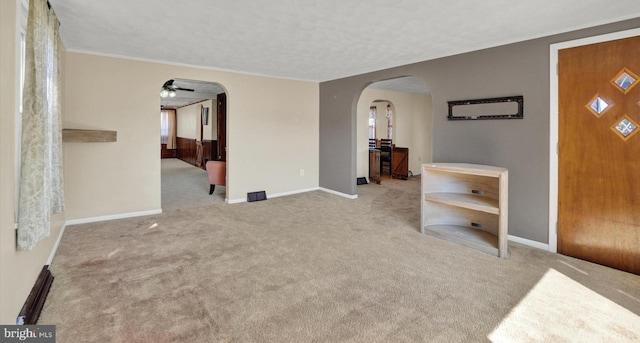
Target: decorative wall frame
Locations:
point(509, 107)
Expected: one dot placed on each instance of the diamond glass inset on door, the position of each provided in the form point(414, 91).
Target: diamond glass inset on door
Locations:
point(625, 127)
point(597, 106)
point(625, 80)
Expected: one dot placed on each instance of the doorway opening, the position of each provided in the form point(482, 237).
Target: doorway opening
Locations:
point(193, 132)
point(394, 115)
point(381, 146)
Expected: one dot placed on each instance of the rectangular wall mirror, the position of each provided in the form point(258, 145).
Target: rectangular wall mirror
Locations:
point(510, 107)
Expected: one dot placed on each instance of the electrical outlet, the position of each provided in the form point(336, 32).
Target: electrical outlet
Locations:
point(301, 172)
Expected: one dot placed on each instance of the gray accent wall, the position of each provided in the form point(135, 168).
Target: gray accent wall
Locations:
point(521, 145)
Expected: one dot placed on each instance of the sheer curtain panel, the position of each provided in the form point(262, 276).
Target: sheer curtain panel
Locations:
point(164, 127)
point(171, 135)
point(41, 174)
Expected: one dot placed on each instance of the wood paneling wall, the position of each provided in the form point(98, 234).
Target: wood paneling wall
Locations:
point(167, 153)
point(186, 150)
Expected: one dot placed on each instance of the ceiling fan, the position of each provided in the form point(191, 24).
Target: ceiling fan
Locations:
point(169, 89)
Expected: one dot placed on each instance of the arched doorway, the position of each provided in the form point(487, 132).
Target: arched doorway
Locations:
point(407, 101)
point(193, 131)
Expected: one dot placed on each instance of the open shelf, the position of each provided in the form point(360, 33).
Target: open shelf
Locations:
point(88, 136)
point(469, 201)
point(466, 204)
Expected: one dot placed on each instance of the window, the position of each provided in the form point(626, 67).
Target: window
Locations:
point(372, 122)
point(164, 127)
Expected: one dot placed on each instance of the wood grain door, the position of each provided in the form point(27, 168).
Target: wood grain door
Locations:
point(599, 153)
point(221, 120)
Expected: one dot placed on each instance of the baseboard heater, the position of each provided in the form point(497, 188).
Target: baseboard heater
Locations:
point(35, 301)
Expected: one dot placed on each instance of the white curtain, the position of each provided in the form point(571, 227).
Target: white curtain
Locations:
point(164, 127)
point(168, 128)
point(41, 174)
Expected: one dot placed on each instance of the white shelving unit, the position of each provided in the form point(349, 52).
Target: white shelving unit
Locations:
point(466, 204)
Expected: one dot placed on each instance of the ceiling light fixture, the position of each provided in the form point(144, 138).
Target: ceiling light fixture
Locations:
point(167, 92)
point(169, 89)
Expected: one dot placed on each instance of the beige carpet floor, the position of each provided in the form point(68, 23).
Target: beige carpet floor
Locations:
point(316, 267)
point(186, 186)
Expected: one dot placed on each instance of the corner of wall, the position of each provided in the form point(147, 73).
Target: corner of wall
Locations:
point(18, 269)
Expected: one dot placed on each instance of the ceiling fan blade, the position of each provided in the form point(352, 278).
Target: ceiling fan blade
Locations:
point(168, 84)
point(183, 89)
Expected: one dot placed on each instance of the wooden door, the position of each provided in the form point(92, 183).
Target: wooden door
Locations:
point(222, 126)
point(599, 153)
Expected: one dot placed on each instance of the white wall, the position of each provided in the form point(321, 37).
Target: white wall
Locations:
point(412, 126)
point(210, 131)
point(272, 128)
point(188, 121)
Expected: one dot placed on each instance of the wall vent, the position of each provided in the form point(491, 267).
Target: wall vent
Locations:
point(361, 181)
point(256, 196)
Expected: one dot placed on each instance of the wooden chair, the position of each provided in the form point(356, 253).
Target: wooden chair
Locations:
point(372, 143)
point(217, 171)
point(386, 147)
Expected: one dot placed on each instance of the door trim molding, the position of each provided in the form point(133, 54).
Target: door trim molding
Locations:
point(553, 121)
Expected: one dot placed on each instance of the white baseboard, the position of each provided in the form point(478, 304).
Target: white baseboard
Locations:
point(528, 242)
point(344, 195)
point(276, 195)
point(294, 192)
point(112, 217)
point(54, 250)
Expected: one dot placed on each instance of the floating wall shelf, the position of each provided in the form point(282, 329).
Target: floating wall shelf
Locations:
point(88, 136)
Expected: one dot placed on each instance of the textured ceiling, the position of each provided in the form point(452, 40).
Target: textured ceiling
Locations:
point(201, 91)
point(208, 90)
point(317, 40)
point(408, 84)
